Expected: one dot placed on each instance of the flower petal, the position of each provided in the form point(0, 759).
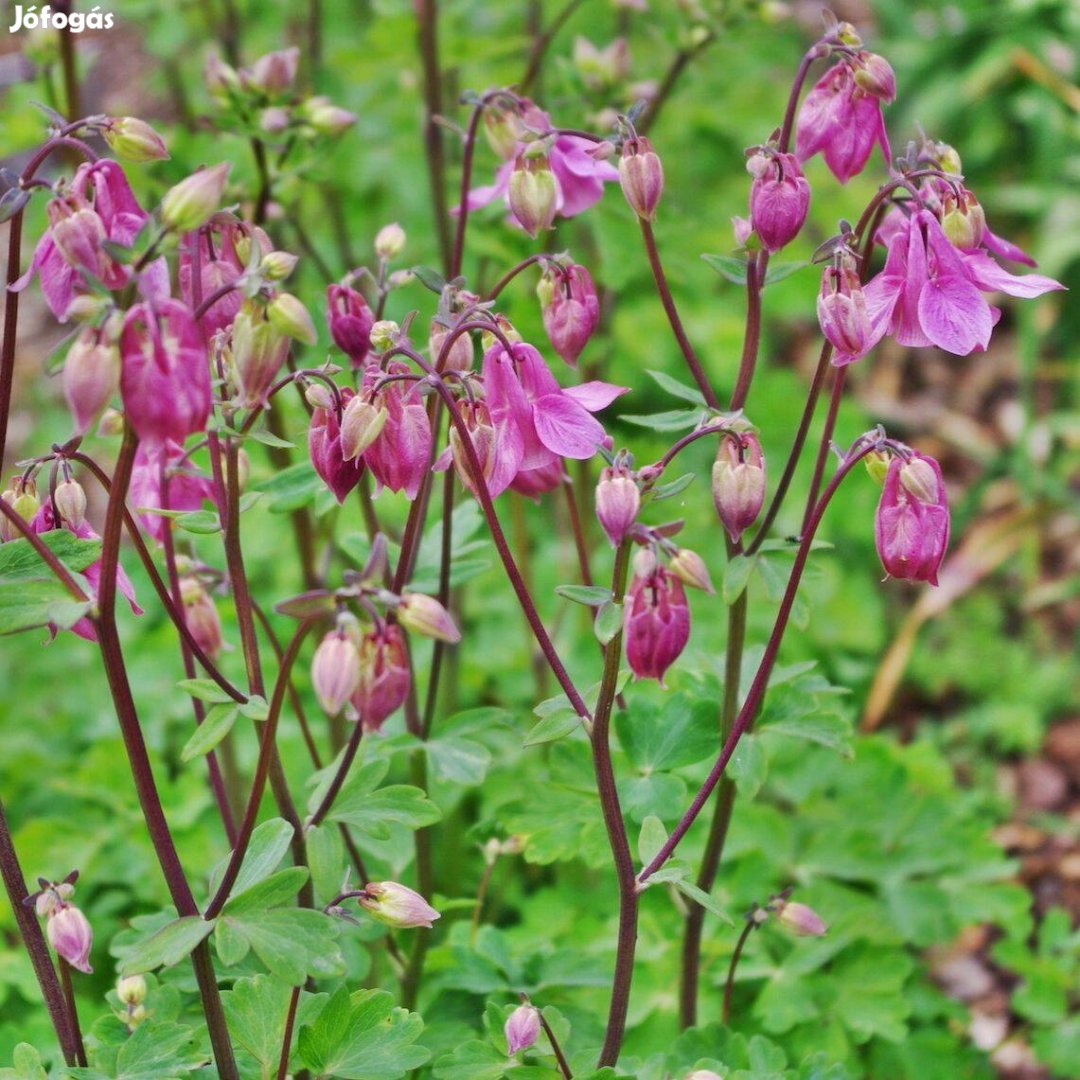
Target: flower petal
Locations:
point(565, 427)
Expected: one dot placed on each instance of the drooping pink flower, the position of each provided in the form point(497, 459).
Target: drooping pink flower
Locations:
point(522, 1028)
point(397, 905)
point(843, 121)
point(570, 310)
point(497, 453)
point(400, 456)
point(656, 619)
point(384, 676)
point(164, 372)
point(185, 488)
point(579, 176)
point(324, 446)
point(618, 501)
point(70, 934)
point(350, 321)
point(103, 187)
point(930, 292)
point(738, 482)
point(911, 528)
point(532, 483)
point(335, 670)
point(536, 421)
point(44, 521)
point(779, 198)
point(843, 314)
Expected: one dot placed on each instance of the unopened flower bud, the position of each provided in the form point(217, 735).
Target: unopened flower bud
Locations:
point(738, 483)
point(503, 129)
point(618, 501)
point(396, 905)
point(220, 78)
point(22, 498)
point(85, 308)
point(91, 376)
point(275, 72)
point(350, 320)
point(656, 619)
point(877, 465)
point(291, 318)
point(278, 265)
point(335, 671)
point(385, 334)
point(964, 220)
point(689, 567)
point(274, 120)
point(318, 396)
point(533, 193)
point(131, 139)
point(361, 424)
point(801, 920)
point(875, 75)
point(327, 118)
point(779, 200)
point(385, 676)
point(843, 313)
point(70, 934)
point(918, 478)
point(400, 278)
point(459, 357)
point(78, 234)
point(390, 241)
point(911, 527)
point(70, 500)
point(522, 1028)
point(424, 615)
point(948, 158)
point(131, 990)
point(193, 201)
point(111, 423)
point(641, 176)
point(201, 616)
point(703, 1074)
point(570, 309)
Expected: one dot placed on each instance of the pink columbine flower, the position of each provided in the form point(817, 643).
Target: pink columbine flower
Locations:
point(738, 482)
point(103, 187)
point(400, 455)
point(201, 616)
point(70, 934)
point(570, 309)
point(930, 292)
point(350, 321)
point(911, 527)
point(579, 176)
point(324, 446)
point(335, 670)
point(91, 375)
point(843, 313)
point(396, 905)
point(656, 619)
point(522, 1028)
point(779, 198)
point(618, 501)
point(165, 374)
point(44, 521)
point(842, 119)
point(536, 421)
point(385, 676)
point(532, 483)
point(162, 478)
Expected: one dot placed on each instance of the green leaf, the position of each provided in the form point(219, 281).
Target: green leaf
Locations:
point(472, 1060)
point(672, 487)
point(277, 889)
point(27, 1065)
point(255, 1011)
point(156, 1050)
point(555, 726)
point(218, 723)
point(699, 896)
point(293, 943)
point(267, 847)
point(589, 595)
point(268, 438)
point(257, 708)
point(291, 488)
point(676, 388)
point(167, 946)
point(429, 278)
point(779, 271)
point(461, 761)
point(200, 522)
point(736, 575)
point(748, 766)
point(728, 266)
point(370, 813)
point(675, 420)
point(204, 690)
point(362, 1037)
point(682, 732)
point(608, 621)
point(30, 594)
point(651, 839)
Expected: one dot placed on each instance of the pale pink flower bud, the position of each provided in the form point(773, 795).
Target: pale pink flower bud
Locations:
point(522, 1028)
point(875, 75)
point(779, 201)
point(361, 423)
point(460, 355)
point(273, 73)
point(396, 905)
point(350, 321)
point(70, 499)
point(318, 396)
point(641, 176)
point(843, 314)
point(618, 501)
point(201, 616)
point(193, 201)
point(327, 118)
point(70, 934)
point(220, 78)
point(570, 310)
point(131, 139)
point(335, 671)
point(533, 193)
point(385, 676)
point(131, 990)
point(689, 567)
point(656, 619)
point(801, 920)
point(503, 129)
point(259, 349)
point(274, 120)
point(911, 528)
point(78, 233)
point(704, 1074)
point(424, 615)
point(963, 220)
point(390, 241)
point(91, 376)
point(738, 482)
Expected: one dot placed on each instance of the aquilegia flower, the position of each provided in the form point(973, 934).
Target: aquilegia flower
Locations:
point(656, 618)
point(184, 488)
point(779, 198)
point(911, 528)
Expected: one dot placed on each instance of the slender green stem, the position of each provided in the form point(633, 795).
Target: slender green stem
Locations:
point(427, 18)
point(725, 1015)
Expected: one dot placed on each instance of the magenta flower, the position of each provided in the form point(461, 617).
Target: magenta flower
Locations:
point(185, 488)
point(618, 501)
point(571, 310)
point(579, 176)
point(350, 321)
point(335, 671)
point(70, 934)
point(400, 455)
point(532, 483)
point(522, 1028)
point(779, 198)
point(930, 293)
point(843, 121)
point(738, 482)
point(656, 619)
point(103, 187)
point(536, 421)
point(911, 528)
point(843, 314)
point(164, 372)
point(384, 676)
point(324, 446)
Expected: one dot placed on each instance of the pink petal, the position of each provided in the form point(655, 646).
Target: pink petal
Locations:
point(954, 315)
point(990, 276)
point(565, 427)
point(595, 395)
point(1006, 249)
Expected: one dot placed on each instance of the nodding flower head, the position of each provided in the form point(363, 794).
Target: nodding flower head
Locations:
point(396, 905)
point(656, 619)
point(335, 670)
point(522, 1028)
point(91, 375)
point(533, 194)
point(201, 616)
point(641, 176)
point(843, 313)
point(192, 202)
point(738, 482)
point(165, 373)
point(259, 350)
point(132, 139)
point(800, 919)
point(384, 676)
point(911, 528)
point(350, 320)
point(618, 501)
point(70, 934)
point(163, 478)
point(339, 474)
point(424, 615)
point(570, 309)
point(779, 198)
point(400, 455)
